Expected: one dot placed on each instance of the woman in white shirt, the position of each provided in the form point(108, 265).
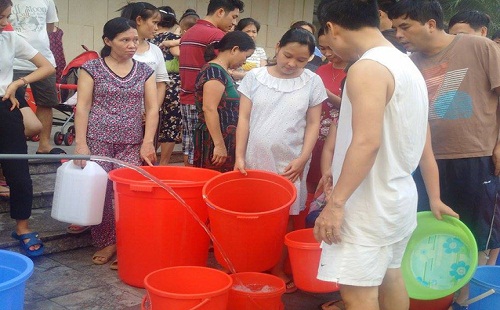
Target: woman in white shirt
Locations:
point(12, 139)
point(147, 17)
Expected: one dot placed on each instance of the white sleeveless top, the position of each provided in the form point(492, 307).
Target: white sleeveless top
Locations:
point(382, 210)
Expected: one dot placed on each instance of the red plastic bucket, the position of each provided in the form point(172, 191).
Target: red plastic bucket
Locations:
point(153, 229)
point(187, 288)
point(248, 217)
point(304, 253)
point(436, 304)
point(256, 291)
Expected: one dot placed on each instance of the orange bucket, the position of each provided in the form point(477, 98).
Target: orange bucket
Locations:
point(153, 230)
point(248, 217)
point(256, 291)
point(187, 288)
point(305, 253)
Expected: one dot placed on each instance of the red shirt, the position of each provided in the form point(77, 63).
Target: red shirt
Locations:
point(191, 58)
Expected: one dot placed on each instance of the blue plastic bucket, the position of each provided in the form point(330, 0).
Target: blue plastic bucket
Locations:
point(485, 289)
point(15, 269)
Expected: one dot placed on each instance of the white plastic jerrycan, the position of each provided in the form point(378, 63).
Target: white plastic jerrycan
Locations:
point(79, 193)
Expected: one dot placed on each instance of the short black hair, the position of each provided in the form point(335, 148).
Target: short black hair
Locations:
point(244, 22)
point(475, 19)
point(349, 14)
point(321, 32)
point(385, 5)
point(419, 10)
point(301, 23)
point(496, 35)
point(227, 5)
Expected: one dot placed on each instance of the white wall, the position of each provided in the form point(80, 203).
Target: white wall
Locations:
point(82, 20)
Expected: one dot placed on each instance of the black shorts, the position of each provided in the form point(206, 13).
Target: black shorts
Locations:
point(44, 91)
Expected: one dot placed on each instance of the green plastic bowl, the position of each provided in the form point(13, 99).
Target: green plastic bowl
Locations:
point(440, 258)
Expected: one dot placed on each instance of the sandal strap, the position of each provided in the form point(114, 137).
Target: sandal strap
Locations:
point(32, 236)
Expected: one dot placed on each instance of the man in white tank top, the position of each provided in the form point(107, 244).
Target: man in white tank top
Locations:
point(381, 138)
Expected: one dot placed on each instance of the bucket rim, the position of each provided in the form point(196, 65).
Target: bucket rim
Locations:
point(23, 276)
point(301, 245)
point(188, 296)
point(292, 190)
point(428, 225)
point(114, 176)
point(483, 283)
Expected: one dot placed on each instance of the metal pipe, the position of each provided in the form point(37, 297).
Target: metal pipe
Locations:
point(45, 156)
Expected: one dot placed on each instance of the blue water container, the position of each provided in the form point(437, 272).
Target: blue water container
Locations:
point(485, 288)
point(15, 269)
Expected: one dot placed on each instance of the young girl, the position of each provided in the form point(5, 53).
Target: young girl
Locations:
point(108, 119)
point(280, 109)
point(147, 17)
point(217, 102)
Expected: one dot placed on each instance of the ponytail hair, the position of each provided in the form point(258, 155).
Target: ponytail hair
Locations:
point(112, 28)
point(232, 39)
point(144, 10)
point(168, 17)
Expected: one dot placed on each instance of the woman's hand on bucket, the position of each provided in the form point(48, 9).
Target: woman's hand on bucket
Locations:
point(81, 149)
point(239, 165)
point(148, 153)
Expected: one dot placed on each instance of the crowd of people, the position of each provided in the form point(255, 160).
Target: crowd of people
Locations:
point(387, 113)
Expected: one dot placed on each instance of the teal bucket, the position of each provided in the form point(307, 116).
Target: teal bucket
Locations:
point(485, 289)
point(15, 269)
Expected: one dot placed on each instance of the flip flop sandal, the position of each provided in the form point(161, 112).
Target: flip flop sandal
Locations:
point(79, 230)
point(33, 240)
point(114, 265)
point(105, 253)
point(290, 287)
point(336, 304)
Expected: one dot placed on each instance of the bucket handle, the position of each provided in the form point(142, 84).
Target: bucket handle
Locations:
point(200, 304)
point(478, 298)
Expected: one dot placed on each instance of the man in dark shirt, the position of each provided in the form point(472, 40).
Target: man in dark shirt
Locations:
point(386, 23)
